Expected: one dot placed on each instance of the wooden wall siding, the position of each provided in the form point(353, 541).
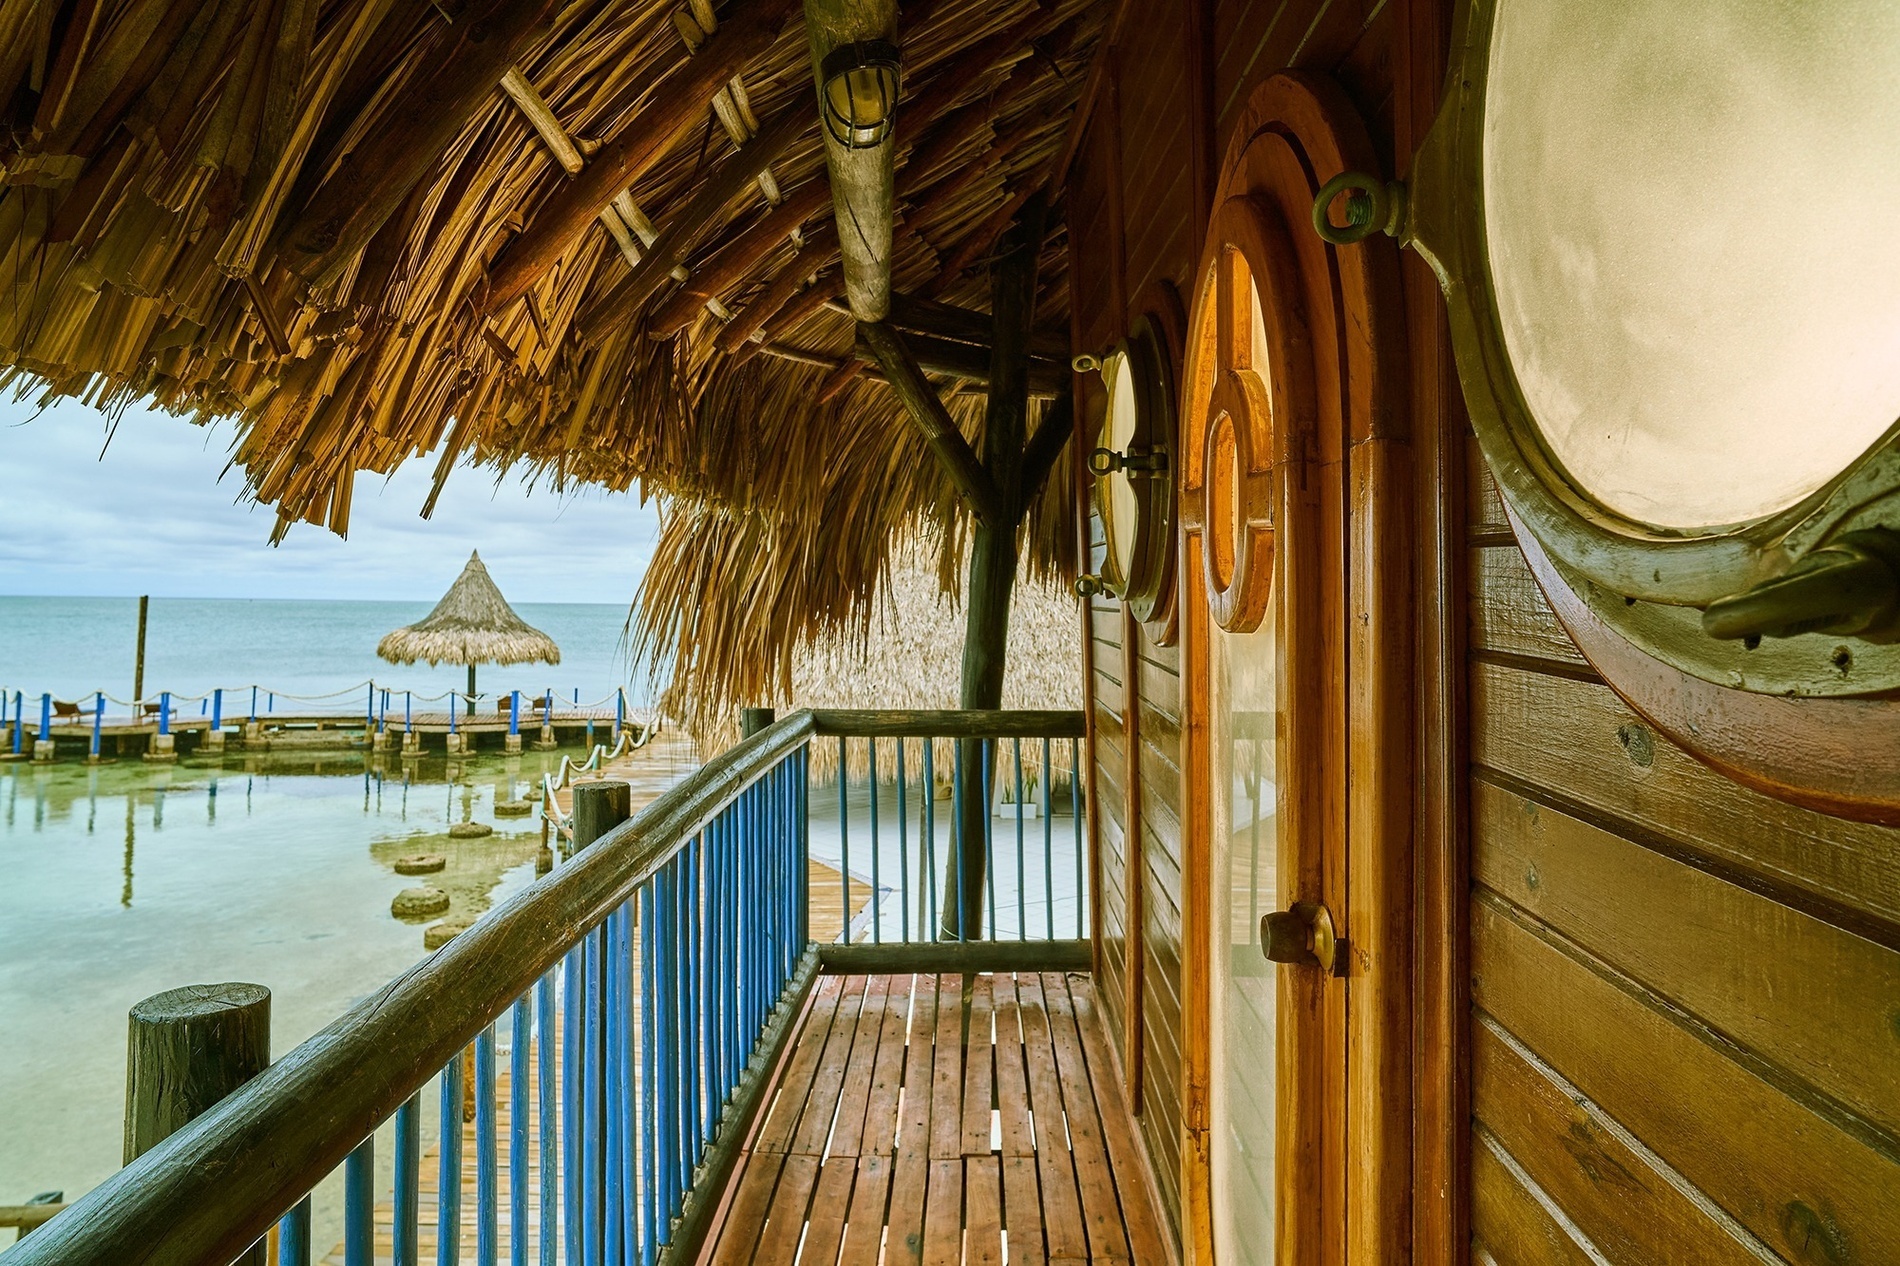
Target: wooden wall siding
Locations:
point(1685, 995)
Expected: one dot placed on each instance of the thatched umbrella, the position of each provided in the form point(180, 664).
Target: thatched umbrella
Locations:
point(473, 624)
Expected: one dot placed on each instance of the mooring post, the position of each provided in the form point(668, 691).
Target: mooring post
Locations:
point(98, 723)
point(187, 1049)
point(620, 710)
point(19, 719)
point(164, 743)
point(43, 737)
point(513, 745)
point(547, 723)
point(214, 737)
point(599, 807)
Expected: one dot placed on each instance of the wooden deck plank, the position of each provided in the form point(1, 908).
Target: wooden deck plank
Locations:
point(887, 1073)
point(830, 1206)
point(943, 1211)
point(788, 1103)
point(745, 1220)
point(983, 1204)
point(1101, 1210)
point(847, 1133)
point(1012, 1079)
point(913, 1131)
point(864, 1233)
point(979, 1062)
point(785, 1215)
point(1139, 1215)
point(1022, 1211)
point(827, 1083)
point(1055, 1168)
point(946, 1087)
point(910, 1181)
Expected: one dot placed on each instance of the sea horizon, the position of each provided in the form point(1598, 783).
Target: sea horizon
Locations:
point(71, 647)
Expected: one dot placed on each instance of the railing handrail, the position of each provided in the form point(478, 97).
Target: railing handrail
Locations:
point(213, 1188)
point(977, 723)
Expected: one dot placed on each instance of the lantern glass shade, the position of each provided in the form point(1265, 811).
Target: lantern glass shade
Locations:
point(860, 93)
point(1703, 328)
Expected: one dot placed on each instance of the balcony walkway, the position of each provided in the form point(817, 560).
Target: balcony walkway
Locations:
point(943, 1119)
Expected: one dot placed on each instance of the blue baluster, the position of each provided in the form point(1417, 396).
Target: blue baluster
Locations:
point(844, 845)
point(164, 712)
point(45, 731)
point(98, 721)
point(448, 1200)
point(253, 703)
point(903, 850)
point(369, 707)
point(405, 1234)
point(1048, 844)
point(359, 1205)
point(1022, 915)
point(487, 1177)
point(293, 1235)
point(217, 710)
point(988, 842)
point(649, 1048)
point(550, 1102)
point(877, 890)
point(610, 1088)
point(591, 1109)
point(514, 713)
point(620, 710)
point(801, 822)
point(573, 1025)
point(1075, 809)
point(958, 832)
point(518, 1072)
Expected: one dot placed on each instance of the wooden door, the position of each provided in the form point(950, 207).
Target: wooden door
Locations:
point(1297, 629)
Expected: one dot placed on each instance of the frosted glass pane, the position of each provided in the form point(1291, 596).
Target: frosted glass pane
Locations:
point(1118, 433)
point(1691, 214)
point(1244, 855)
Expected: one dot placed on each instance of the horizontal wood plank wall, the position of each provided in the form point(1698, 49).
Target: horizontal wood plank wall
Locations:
point(1686, 996)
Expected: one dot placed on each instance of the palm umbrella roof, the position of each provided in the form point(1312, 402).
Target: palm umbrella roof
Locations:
point(473, 624)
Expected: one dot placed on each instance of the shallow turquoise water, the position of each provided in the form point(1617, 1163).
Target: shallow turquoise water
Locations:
point(120, 881)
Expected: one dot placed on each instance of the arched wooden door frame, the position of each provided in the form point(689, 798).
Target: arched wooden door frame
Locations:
point(1319, 504)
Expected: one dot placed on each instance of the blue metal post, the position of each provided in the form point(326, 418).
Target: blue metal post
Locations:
point(217, 710)
point(451, 712)
point(448, 1218)
point(1022, 915)
point(593, 1120)
point(406, 1233)
point(877, 889)
point(408, 700)
point(649, 1046)
point(903, 849)
point(518, 1073)
point(98, 721)
point(46, 719)
point(844, 842)
point(487, 1176)
point(253, 703)
point(987, 839)
point(382, 714)
point(514, 712)
point(359, 1205)
point(165, 712)
point(1048, 845)
point(610, 1088)
point(19, 721)
point(620, 711)
point(293, 1235)
point(550, 1107)
point(369, 706)
point(572, 1024)
point(1075, 809)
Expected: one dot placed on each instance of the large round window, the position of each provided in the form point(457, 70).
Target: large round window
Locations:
point(1665, 232)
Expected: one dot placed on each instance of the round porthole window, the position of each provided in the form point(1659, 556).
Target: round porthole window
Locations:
point(1134, 481)
point(1664, 233)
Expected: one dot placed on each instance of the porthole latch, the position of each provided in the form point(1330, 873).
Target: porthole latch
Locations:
point(1136, 463)
point(1849, 587)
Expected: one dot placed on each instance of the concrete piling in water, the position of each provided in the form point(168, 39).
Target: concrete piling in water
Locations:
point(43, 737)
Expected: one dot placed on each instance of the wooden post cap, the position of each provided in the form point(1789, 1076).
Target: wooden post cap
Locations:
point(186, 1049)
point(599, 807)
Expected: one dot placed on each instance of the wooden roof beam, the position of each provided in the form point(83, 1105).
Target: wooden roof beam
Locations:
point(820, 248)
point(675, 104)
point(540, 116)
point(863, 178)
point(939, 430)
point(729, 265)
point(691, 222)
point(969, 362)
point(918, 315)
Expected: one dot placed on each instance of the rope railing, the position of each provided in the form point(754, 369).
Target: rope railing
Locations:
point(565, 776)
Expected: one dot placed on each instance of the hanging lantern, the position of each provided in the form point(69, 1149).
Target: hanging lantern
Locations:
point(860, 92)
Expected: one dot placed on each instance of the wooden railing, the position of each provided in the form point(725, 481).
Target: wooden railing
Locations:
point(645, 989)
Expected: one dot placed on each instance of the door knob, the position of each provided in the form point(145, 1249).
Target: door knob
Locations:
point(1304, 936)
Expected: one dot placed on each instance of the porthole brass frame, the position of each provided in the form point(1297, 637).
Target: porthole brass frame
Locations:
point(1148, 589)
point(1650, 584)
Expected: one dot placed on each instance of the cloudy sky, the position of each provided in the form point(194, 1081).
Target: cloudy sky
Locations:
point(152, 516)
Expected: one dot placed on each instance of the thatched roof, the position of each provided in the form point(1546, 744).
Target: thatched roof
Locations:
point(473, 624)
point(589, 241)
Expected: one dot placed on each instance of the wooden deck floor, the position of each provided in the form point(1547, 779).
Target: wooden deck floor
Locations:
point(943, 1119)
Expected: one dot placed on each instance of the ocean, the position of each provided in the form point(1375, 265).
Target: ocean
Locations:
point(71, 647)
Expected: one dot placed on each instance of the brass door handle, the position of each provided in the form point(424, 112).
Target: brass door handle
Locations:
point(1303, 936)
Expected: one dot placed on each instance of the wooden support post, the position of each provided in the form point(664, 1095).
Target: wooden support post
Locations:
point(599, 807)
point(187, 1049)
point(934, 421)
point(138, 668)
point(752, 720)
point(993, 557)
